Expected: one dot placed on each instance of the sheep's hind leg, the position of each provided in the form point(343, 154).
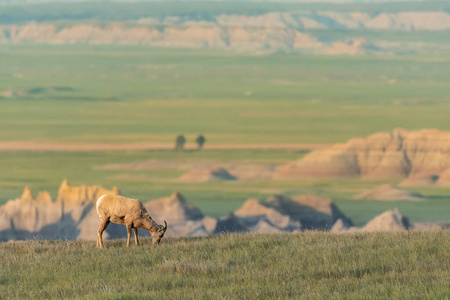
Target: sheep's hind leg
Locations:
point(129, 234)
point(136, 236)
point(103, 224)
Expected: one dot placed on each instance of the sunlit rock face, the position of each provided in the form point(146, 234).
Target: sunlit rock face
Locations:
point(421, 157)
point(72, 216)
point(269, 32)
point(390, 220)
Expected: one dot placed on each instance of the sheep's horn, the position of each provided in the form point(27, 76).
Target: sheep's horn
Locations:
point(165, 227)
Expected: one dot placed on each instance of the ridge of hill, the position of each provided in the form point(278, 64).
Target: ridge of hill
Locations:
point(422, 157)
point(272, 31)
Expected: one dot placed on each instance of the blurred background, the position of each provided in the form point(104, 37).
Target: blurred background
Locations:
point(228, 100)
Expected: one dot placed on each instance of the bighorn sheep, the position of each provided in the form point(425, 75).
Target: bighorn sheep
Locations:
point(129, 212)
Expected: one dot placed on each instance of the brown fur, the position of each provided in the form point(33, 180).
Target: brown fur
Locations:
point(128, 212)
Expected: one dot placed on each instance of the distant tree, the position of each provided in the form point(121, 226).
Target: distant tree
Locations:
point(179, 142)
point(200, 141)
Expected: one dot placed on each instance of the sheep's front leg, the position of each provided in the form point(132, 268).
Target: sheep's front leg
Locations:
point(136, 236)
point(103, 224)
point(129, 234)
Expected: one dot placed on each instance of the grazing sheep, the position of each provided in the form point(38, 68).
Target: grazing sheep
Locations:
point(129, 212)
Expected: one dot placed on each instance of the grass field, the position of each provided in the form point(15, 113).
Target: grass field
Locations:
point(239, 266)
point(127, 94)
point(134, 94)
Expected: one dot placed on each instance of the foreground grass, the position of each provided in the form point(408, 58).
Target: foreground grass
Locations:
point(239, 266)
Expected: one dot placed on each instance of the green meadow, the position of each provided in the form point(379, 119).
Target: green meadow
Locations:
point(123, 94)
point(128, 94)
point(120, 94)
point(311, 265)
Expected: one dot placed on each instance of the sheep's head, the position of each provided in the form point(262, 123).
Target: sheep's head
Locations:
point(158, 234)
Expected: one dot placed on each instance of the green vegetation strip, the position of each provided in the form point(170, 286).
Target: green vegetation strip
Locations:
point(313, 265)
point(126, 94)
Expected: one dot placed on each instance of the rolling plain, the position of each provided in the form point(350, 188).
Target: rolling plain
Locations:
point(134, 94)
point(97, 92)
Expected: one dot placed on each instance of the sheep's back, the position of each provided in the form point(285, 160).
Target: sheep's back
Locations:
point(118, 205)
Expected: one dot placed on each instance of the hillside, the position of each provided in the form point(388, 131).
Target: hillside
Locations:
point(289, 27)
point(388, 192)
point(302, 266)
point(420, 156)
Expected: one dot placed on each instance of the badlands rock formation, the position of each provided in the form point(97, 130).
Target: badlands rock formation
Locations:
point(173, 209)
point(72, 216)
point(207, 175)
point(26, 214)
point(338, 20)
point(253, 211)
point(183, 218)
point(390, 220)
point(312, 211)
point(193, 35)
point(277, 214)
point(268, 32)
point(230, 223)
point(40, 218)
point(304, 212)
point(188, 35)
point(422, 157)
point(72, 197)
point(388, 192)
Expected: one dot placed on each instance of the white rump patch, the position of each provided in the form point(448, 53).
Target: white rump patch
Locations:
point(98, 203)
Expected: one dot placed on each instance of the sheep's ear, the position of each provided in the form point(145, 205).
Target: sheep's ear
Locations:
point(142, 213)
